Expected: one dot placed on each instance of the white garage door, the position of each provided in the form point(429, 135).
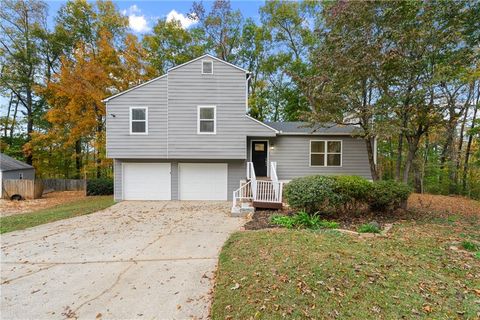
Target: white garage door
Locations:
point(203, 181)
point(146, 181)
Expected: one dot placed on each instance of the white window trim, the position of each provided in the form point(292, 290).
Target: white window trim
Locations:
point(146, 121)
point(214, 119)
point(325, 153)
point(205, 60)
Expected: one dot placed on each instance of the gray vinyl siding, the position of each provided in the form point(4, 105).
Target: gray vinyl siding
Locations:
point(292, 154)
point(28, 174)
point(236, 172)
point(120, 143)
point(255, 129)
point(187, 89)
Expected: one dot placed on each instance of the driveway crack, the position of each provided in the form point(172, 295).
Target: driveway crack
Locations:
point(120, 275)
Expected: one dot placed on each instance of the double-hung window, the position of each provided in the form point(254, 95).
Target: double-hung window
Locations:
point(325, 153)
point(138, 120)
point(207, 120)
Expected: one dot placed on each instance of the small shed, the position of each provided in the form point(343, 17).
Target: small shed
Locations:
point(12, 169)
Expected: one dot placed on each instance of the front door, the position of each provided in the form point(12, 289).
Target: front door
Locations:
point(260, 157)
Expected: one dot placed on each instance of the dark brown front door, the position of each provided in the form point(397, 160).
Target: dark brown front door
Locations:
point(259, 157)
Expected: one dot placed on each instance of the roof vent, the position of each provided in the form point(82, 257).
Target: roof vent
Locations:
point(207, 67)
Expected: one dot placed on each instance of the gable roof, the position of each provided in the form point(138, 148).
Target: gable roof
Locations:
point(176, 67)
point(211, 57)
point(305, 128)
point(9, 164)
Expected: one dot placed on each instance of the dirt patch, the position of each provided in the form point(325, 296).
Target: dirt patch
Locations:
point(261, 220)
point(8, 207)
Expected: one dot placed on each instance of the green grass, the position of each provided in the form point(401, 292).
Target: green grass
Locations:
point(368, 228)
point(63, 211)
point(470, 246)
point(302, 274)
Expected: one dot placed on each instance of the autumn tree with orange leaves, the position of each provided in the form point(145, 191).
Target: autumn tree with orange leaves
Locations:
point(77, 113)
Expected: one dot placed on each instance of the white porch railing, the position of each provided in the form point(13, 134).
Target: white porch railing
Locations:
point(251, 171)
point(273, 171)
point(260, 190)
point(243, 193)
point(268, 191)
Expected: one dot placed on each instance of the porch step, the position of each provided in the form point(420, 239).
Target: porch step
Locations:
point(243, 210)
point(267, 205)
point(264, 178)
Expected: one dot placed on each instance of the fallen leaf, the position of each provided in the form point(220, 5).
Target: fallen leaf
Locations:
point(236, 286)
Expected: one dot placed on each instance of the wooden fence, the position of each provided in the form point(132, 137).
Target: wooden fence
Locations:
point(64, 184)
point(27, 189)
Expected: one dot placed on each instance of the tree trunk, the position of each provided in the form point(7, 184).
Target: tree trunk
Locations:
point(425, 160)
point(371, 158)
point(417, 177)
point(469, 146)
point(7, 118)
point(398, 168)
point(29, 108)
point(411, 153)
point(78, 159)
point(98, 160)
point(14, 121)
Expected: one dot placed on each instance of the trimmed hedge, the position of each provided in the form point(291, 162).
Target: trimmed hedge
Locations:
point(354, 190)
point(336, 193)
point(388, 195)
point(100, 187)
point(312, 193)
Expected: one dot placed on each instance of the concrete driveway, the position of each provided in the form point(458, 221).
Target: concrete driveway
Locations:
point(143, 260)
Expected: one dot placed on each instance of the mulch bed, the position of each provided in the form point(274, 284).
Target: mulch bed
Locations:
point(420, 207)
point(261, 219)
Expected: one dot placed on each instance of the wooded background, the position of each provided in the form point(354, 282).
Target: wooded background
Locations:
point(406, 72)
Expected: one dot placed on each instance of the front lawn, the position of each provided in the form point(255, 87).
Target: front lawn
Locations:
point(414, 272)
point(63, 211)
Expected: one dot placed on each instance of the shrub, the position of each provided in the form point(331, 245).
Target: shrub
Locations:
point(284, 221)
point(99, 187)
point(371, 227)
point(303, 220)
point(329, 224)
point(388, 195)
point(312, 193)
point(354, 190)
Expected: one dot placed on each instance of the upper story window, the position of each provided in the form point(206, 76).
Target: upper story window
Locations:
point(138, 120)
point(326, 153)
point(207, 67)
point(207, 120)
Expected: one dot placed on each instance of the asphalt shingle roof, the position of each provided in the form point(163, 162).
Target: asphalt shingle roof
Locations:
point(297, 127)
point(8, 163)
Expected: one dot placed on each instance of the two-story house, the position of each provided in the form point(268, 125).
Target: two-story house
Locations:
point(186, 136)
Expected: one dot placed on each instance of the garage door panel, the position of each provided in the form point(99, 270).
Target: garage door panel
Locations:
point(147, 181)
point(203, 181)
